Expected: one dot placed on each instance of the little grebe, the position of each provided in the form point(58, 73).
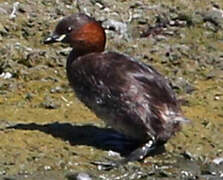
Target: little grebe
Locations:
point(127, 94)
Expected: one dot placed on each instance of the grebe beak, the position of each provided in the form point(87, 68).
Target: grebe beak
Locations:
point(54, 38)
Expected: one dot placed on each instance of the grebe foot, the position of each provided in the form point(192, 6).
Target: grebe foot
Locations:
point(110, 164)
point(138, 154)
point(106, 166)
point(141, 152)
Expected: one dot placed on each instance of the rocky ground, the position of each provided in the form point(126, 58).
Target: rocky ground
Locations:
point(46, 133)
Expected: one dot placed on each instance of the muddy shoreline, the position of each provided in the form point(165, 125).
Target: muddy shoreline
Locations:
point(47, 133)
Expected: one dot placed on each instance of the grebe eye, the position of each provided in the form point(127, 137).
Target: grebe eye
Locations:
point(69, 29)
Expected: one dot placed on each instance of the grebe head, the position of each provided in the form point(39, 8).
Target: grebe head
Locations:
point(82, 32)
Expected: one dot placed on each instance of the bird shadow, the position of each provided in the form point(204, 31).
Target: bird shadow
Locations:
point(101, 138)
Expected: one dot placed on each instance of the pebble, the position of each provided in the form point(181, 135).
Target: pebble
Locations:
point(218, 160)
point(181, 83)
point(57, 89)
point(79, 176)
point(6, 75)
point(50, 103)
point(15, 7)
point(214, 16)
point(118, 26)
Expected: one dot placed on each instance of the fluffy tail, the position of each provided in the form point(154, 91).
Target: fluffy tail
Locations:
point(181, 119)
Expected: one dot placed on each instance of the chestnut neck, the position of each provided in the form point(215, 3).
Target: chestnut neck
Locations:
point(88, 38)
point(75, 54)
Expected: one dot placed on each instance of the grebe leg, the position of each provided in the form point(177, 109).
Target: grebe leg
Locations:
point(138, 154)
point(141, 152)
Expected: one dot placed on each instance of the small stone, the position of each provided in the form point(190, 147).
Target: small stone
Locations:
point(218, 160)
point(182, 84)
point(14, 10)
point(214, 16)
point(3, 172)
point(6, 75)
point(217, 98)
point(118, 26)
point(49, 103)
point(57, 89)
point(79, 176)
point(47, 168)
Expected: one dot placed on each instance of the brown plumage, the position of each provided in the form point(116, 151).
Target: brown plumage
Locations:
point(127, 94)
